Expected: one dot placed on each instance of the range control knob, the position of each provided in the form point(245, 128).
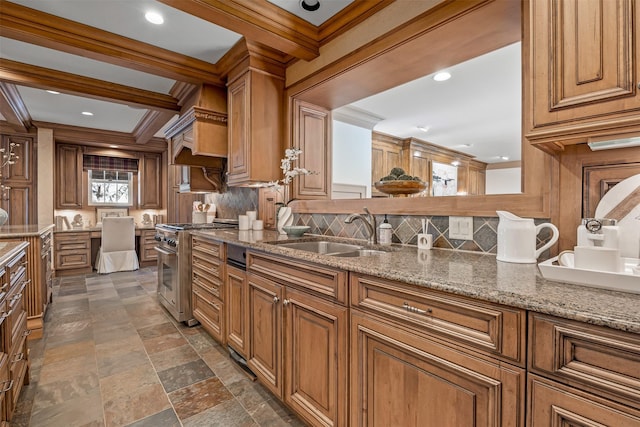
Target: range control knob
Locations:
point(158, 237)
point(172, 242)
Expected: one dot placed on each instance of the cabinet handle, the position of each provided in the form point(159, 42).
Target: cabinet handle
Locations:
point(27, 332)
point(285, 302)
point(412, 309)
point(7, 314)
point(18, 357)
point(7, 388)
point(276, 300)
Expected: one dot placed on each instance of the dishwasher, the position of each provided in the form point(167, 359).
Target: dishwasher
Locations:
point(237, 257)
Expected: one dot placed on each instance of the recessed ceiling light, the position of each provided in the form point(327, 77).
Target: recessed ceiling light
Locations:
point(310, 5)
point(504, 157)
point(154, 17)
point(423, 128)
point(87, 113)
point(441, 76)
point(455, 163)
point(113, 146)
point(53, 92)
point(467, 145)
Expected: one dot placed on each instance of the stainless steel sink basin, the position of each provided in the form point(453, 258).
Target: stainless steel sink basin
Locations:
point(360, 252)
point(322, 247)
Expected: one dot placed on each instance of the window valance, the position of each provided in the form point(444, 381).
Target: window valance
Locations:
point(91, 162)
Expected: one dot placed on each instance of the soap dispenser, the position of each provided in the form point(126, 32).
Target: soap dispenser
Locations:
point(385, 233)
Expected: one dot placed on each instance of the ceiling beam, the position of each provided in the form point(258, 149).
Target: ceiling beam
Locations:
point(257, 20)
point(50, 31)
point(149, 125)
point(13, 109)
point(46, 78)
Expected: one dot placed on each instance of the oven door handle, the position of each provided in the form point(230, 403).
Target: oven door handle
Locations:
point(164, 251)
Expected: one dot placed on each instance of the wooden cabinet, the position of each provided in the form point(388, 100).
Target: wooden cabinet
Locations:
point(37, 294)
point(150, 179)
point(477, 178)
point(586, 358)
point(298, 339)
point(312, 135)
point(237, 314)
point(405, 379)
point(20, 199)
point(583, 65)
point(480, 327)
point(385, 155)
point(268, 197)
point(207, 266)
point(148, 254)
point(73, 251)
point(68, 176)
point(14, 357)
point(255, 128)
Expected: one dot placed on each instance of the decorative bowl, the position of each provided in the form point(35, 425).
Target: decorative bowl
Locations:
point(400, 187)
point(296, 230)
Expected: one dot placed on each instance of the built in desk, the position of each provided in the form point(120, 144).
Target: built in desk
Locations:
point(75, 250)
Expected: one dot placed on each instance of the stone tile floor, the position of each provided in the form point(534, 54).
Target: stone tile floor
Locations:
point(112, 356)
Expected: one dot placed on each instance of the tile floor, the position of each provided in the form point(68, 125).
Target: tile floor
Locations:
point(111, 356)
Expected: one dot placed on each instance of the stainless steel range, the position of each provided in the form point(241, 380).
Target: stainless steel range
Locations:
point(174, 266)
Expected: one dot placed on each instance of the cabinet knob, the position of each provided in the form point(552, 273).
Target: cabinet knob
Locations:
point(285, 302)
point(276, 300)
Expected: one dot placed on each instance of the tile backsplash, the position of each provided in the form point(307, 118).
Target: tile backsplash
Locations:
point(407, 227)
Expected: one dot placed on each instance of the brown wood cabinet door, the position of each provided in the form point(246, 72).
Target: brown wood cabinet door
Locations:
point(315, 355)
point(237, 314)
point(312, 134)
point(68, 176)
point(265, 332)
point(150, 181)
point(399, 379)
point(19, 201)
point(267, 199)
point(239, 104)
point(585, 66)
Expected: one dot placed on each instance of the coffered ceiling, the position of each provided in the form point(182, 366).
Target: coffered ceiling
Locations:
point(105, 58)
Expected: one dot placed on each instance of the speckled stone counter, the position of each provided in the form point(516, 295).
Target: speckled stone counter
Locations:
point(466, 273)
point(99, 229)
point(8, 249)
point(9, 231)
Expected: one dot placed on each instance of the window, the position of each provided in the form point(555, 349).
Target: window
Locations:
point(110, 188)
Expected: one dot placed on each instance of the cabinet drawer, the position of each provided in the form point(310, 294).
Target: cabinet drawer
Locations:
point(553, 404)
point(72, 259)
point(321, 280)
point(203, 279)
point(5, 386)
point(73, 241)
point(208, 310)
point(17, 268)
point(480, 326)
point(16, 316)
point(18, 364)
point(596, 358)
point(207, 266)
point(206, 248)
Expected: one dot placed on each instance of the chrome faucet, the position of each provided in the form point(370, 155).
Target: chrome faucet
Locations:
point(369, 221)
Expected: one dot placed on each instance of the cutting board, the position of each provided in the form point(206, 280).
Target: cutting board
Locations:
point(622, 203)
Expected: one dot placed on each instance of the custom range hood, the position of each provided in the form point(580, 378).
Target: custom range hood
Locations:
point(198, 142)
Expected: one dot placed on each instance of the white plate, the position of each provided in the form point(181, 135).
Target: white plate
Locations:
point(627, 281)
point(629, 226)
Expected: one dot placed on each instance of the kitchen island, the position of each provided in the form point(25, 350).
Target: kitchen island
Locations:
point(398, 336)
point(38, 292)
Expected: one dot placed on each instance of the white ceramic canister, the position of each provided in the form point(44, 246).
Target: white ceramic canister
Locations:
point(602, 232)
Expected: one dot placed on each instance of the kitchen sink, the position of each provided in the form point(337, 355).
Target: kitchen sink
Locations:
point(322, 247)
point(360, 252)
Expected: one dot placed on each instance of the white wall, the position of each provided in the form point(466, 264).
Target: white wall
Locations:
point(503, 181)
point(45, 169)
point(351, 155)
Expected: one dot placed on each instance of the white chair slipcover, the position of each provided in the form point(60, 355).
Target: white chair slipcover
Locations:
point(118, 246)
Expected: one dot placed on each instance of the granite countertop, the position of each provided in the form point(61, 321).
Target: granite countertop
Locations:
point(9, 248)
point(471, 274)
point(9, 231)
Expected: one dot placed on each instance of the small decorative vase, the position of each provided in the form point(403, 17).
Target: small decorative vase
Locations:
point(285, 217)
point(4, 216)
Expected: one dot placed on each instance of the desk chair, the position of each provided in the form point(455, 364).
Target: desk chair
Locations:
point(118, 247)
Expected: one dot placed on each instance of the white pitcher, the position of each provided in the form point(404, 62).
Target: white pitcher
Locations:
point(517, 238)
